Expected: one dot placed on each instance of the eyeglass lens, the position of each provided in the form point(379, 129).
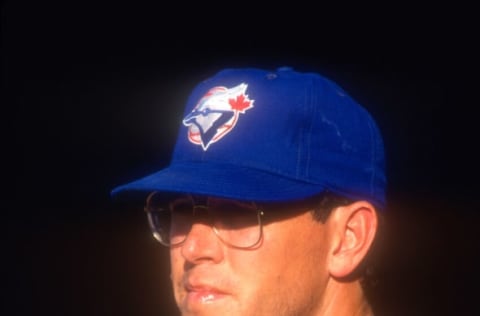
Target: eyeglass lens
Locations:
point(237, 223)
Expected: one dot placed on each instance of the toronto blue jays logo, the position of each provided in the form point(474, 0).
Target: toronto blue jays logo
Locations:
point(216, 114)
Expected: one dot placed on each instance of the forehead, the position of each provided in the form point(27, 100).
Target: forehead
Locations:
point(278, 206)
point(298, 205)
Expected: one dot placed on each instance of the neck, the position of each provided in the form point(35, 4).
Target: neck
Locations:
point(345, 299)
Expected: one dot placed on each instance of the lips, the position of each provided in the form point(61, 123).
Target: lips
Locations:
point(202, 294)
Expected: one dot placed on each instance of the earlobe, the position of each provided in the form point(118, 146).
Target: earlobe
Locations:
point(354, 227)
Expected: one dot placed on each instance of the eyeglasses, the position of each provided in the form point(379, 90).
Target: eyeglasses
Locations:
point(237, 224)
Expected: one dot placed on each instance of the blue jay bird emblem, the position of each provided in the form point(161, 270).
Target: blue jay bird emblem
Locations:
point(216, 114)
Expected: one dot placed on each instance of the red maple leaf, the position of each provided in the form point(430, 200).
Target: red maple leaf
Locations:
point(240, 103)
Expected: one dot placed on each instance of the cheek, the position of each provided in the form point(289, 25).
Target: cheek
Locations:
point(296, 245)
point(291, 259)
point(176, 260)
point(177, 264)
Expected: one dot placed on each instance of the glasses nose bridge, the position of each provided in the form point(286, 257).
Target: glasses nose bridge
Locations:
point(201, 217)
point(201, 213)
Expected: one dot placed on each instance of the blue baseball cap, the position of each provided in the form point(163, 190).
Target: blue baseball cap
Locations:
point(270, 136)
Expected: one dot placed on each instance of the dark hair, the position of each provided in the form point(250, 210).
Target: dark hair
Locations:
point(369, 269)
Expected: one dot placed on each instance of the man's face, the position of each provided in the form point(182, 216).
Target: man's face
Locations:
point(285, 274)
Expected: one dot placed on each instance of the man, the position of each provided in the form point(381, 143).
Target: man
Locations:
point(271, 202)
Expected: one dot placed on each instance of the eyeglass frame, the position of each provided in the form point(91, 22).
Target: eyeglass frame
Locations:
point(156, 235)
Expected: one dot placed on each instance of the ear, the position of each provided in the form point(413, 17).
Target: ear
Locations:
point(353, 227)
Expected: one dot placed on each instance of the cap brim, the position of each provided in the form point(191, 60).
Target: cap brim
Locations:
point(220, 180)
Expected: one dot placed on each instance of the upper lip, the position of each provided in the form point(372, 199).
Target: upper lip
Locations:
point(202, 287)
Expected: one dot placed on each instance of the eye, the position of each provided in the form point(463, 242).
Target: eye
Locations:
point(181, 207)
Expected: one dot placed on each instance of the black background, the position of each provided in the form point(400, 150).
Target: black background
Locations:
point(92, 96)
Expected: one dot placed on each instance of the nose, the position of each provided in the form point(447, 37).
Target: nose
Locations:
point(202, 244)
